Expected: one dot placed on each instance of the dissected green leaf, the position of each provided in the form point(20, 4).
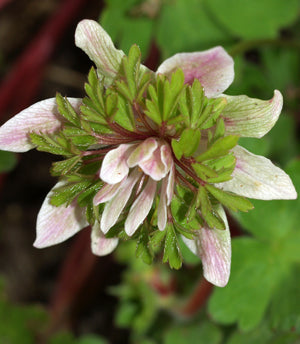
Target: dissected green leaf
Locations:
point(172, 250)
point(219, 148)
point(230, 200)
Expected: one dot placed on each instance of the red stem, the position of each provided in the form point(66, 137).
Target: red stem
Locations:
point(74, 273)
point(21, 84)
point(198, 298)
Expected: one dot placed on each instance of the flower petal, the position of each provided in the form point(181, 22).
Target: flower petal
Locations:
point(257, 177)
point(162, 206)
point(97, 44)
point(213, 246)
point(159, 164)
point(142, 152)
point(170, 186)
point(106, 193)
point(40, 117)
point(251, 117)
point(57, 224)
point(114, 166)
point(100, 245)
point(213, 68)
point(140, 208)
point(115, 206)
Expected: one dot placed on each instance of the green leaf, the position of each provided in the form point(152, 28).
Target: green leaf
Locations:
point(65, 194)
point(191, 103)
point(171, 93)
point(130, 71)
point(255, 272)
point(253, 20)
point(284, 308)
point(208, 213)
point(202, 333)
point(55, 144)
point(8, 161)
point(187, 144)
point(193, 28)
point(172, 250)
point(219, 148)
point(230, 200)
point(66, 110)
point(143, 248)
point(66, 166)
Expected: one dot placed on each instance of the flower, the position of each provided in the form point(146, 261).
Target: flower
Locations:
point(155, 152)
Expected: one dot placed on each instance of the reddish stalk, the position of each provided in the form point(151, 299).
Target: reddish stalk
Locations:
point(74, 273)
point(22, 82)
point(197, 299)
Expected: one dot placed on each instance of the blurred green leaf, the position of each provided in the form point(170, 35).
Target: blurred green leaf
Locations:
point(8, 161)
point(124, 27)
point(260, 272)
point(200, 333)
point(187, 26)
point(263, 335)
point(254, 19)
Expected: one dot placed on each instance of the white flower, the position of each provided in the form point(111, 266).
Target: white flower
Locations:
point(147, 166)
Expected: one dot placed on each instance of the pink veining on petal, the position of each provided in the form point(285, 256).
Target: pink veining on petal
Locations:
point(140, 208)
point(158, 165)
point(40, 117)
point(116, 205)
point(170, 185)
point(114, 166)
point(106, 193)
point(100, 245)
point(162, 205)
point(57, 224)
point(213, 68)
point(142, 152)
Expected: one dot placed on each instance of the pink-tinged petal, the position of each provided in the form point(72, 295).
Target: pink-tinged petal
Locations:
point(97, 44)
point(40, 117)
point(100, 245)
point(162, 206)
point(115, 206)
point(57, 224)
point(142, 152)
point(257, 177)
point(159, 164)
point(106, 193)
point(170, 186)
point(213, 68)
point(114, 166)
point(213, 246)
point(140, 208)
point(250, 117)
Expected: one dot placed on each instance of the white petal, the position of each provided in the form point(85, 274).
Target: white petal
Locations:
point(100, 245)
point(250, 117)
point(140, 208)
point(106, 193)
point(162, 206)
point(115, 206)
point(159, 164)
point(170, 186)
point(213, 246)
point(114, 166)
point(40, 117)
point(257, 177)
point(213, 68)
point(142, 152)
point(57, 224)
point(97, 44)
